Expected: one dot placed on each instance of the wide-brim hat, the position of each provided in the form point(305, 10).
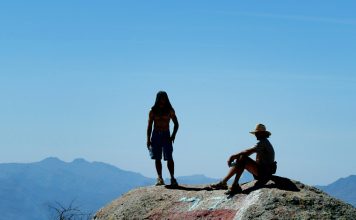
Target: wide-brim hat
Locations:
point(260, 128)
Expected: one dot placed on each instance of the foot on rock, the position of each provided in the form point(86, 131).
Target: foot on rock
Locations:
point(219, 185)
point(160, 181)
point(234, 189)
point(174, 183)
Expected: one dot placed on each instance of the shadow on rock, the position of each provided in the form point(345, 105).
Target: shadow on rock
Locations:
point(186, 188)
point(276, 182)
point(281, 183)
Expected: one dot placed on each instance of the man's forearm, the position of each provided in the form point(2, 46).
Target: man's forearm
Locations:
point(149, 132)
point(175, 130)
point(247, 153)
point(236, 156)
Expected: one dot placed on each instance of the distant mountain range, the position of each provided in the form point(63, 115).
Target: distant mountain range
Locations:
point(343, 189)
point(27, 190)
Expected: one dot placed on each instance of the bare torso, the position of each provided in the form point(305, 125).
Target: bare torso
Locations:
point(161, 122)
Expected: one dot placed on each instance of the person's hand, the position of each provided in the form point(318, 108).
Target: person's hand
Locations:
point(148, 143)
point(231, 158)
point(229, 161)
point(173, 138)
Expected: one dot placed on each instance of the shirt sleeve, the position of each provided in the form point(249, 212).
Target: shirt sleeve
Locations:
point(258, 147)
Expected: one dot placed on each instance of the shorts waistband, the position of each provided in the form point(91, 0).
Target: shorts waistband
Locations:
point(161, 132)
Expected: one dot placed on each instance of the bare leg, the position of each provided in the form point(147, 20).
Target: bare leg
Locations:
point(231, 172)
point(237, 169)
point(239, 172)
point(159, 168)
point(170, 165)
point(250, 166)
point(242, 163)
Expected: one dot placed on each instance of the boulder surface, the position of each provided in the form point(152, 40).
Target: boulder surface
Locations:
point(279, 198)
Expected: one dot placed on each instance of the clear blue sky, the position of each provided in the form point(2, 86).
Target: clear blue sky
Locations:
point(77, 79)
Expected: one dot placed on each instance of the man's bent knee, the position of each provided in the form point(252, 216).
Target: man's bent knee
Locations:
point(242, 160)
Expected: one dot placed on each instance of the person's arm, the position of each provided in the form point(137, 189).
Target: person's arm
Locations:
point(149, 128)
point(176, 125)
point(246, 153)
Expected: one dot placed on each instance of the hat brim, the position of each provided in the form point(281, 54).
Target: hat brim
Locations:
point(254, 132)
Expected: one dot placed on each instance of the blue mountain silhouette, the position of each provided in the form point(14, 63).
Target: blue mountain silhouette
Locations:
point(343, 188)
point(27, 190)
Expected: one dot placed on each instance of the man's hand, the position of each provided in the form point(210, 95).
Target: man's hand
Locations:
point(232, 158)
point(173, 137)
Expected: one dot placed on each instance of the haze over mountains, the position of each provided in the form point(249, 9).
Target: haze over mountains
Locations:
point(343, 188)
point(27, 190)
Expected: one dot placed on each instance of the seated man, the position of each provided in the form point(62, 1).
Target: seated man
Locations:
point(262, 168)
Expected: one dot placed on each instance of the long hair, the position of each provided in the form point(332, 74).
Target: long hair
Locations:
point(167, 108)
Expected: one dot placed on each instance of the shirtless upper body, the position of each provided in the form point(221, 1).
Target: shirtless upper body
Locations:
point(160, 122)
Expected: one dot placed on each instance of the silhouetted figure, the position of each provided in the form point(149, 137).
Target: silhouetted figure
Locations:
point(262, 169)
point(160, 140)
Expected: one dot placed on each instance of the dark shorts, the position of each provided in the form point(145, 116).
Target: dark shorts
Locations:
point(161, 143)
point(264, 172)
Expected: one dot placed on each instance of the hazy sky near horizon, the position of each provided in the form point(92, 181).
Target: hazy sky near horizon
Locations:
point(77, 79)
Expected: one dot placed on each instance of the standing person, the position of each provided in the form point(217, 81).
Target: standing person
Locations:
point(160, 140)
point(262, 169)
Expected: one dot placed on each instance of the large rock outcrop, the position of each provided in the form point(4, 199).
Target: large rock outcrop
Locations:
point(280, 198)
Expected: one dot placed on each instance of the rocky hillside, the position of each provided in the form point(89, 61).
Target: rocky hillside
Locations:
point(280, 198)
